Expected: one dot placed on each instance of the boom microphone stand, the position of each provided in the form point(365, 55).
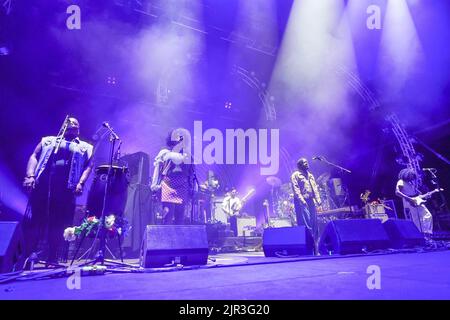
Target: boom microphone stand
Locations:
point(443, 207)
point(322, 158)
point(435, 181)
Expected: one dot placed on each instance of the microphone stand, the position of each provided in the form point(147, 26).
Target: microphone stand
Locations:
point(443, 207)
point(334, 165)
point(101, 231)
point(194, 194)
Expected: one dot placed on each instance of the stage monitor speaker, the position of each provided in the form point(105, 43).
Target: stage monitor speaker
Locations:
point(287, 241)
point(403, 234)
point(353, 236)
point(12, 248)
point(169, 245)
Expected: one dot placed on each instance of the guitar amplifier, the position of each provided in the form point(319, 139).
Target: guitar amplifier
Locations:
point(376, 211)
point(382, 216)
point(245, 226)
point(280, 222)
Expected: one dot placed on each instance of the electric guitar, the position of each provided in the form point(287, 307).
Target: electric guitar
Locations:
point(421, 199)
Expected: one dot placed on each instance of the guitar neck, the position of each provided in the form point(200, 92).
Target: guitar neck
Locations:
point(428, 194)
point(248, 195)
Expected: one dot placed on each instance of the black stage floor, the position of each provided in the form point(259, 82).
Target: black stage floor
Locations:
point(410, 274)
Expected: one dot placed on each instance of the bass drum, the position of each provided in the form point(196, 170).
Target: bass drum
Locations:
point(117, 191)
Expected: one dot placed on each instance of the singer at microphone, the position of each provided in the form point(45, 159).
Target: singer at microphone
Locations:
point(106, 125)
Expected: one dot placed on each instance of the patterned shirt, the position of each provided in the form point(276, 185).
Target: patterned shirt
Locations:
point(305, 187)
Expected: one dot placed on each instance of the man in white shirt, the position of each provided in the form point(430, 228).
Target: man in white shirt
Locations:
point(232, 204)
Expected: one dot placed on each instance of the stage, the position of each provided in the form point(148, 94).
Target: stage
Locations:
point(411, 274)
point(225, 151)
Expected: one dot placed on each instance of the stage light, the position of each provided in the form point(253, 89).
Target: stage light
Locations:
point(401, 53)
point(4, 51)
point(111, 80)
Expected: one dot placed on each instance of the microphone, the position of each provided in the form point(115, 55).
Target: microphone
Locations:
point(429, 169)
point(106, 125)
point(317, 158)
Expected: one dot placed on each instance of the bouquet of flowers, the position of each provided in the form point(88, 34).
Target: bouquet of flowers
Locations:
point(113, 226)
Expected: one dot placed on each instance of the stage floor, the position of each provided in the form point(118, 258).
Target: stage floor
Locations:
point(238, 276)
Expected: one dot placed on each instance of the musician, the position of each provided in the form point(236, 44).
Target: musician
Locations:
point(306, 198)
point(173, 177)
point(54, 179)
point(231, 204)
point(406, 189)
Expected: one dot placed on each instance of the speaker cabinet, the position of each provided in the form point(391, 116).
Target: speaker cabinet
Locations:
point(138, 167)
point(287, 241)
point(403, 234)
point(353, 236)
point(243, 226)
point(280, 222)
point(168, 245)
point(12, 249)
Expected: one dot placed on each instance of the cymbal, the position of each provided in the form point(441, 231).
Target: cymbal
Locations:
point(273, 181)
point(324, 177)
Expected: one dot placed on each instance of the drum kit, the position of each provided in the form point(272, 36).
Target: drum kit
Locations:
point(282, 196)
point(282, 199)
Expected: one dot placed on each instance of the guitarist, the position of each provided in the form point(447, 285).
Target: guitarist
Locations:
point(406, 189)
point(232, 205)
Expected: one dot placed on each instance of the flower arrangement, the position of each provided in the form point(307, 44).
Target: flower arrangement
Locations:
point(113, 226)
